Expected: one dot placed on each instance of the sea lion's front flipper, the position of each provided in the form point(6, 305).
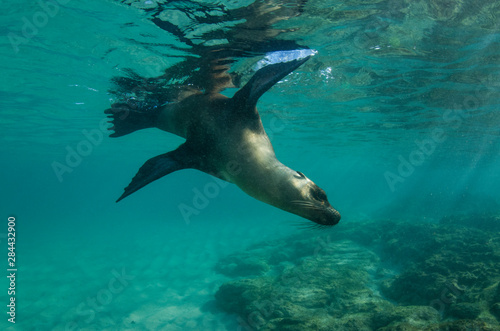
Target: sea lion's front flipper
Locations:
point(158, 167)
point(263, 80)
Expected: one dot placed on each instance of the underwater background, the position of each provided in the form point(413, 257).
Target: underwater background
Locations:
point(396, 117)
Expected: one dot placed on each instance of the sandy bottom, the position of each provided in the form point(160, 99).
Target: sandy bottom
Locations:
point(161, 279)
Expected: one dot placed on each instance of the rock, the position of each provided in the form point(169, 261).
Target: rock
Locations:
point(496, 297)
point(240, 296)
point(462, 266)
point(495, 310)
point(430, 272)
point(417, 287)
point(464, 310)
point(412, 317)
point(462, 325)
point(400, 327)
point(486, 222)
point(241, 266)
point(308, 295)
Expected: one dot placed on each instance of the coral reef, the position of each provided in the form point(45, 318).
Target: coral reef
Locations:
point(385, 275)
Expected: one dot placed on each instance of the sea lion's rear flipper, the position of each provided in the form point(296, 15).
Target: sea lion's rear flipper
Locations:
point(158, 167)
point(263, 80)
point(126, 120)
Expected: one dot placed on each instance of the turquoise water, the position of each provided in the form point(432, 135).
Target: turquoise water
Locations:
point(395, 117)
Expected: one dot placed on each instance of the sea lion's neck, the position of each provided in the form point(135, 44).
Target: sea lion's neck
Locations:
point(284, 188)
point(273, 184)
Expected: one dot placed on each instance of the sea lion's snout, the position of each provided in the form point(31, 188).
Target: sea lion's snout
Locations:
point(325, 213)
point(314, 204)
point(322, 214)
point(330, 217)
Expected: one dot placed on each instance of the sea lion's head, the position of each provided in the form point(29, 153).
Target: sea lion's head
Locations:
point(311, 202)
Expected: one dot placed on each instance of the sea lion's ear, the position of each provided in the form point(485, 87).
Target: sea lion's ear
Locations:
point(300, 175)
point(263, 80)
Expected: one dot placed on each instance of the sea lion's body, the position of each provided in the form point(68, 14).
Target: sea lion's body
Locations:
point(225, 138)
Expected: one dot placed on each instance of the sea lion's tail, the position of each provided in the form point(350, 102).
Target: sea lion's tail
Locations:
point(125, 119)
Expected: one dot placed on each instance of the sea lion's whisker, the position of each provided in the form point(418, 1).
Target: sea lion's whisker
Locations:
point(307, 205)
point(303, 225)
point(308, 226)
point(302, 203)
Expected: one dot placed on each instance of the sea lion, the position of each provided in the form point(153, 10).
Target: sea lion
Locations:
point(225, 138)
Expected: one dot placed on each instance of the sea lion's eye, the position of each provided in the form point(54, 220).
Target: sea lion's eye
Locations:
point(319, 195)
point(300, 175)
